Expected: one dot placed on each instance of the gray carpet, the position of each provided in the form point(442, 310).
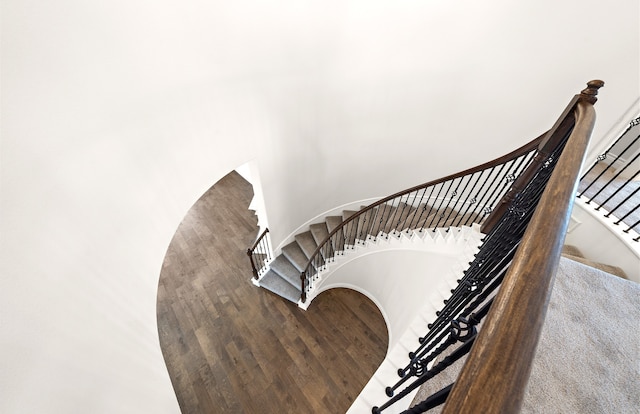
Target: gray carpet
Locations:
point(587, 359)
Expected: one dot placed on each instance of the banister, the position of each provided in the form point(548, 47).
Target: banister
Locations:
point(526, 148)
point(262, 244)
point(258, 240)
point(496, 373)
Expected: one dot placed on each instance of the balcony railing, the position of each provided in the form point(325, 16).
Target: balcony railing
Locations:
point(612, 184)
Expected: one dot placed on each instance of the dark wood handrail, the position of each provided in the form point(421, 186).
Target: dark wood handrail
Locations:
point(535, 143)
point(258, 240)
point(496, 373)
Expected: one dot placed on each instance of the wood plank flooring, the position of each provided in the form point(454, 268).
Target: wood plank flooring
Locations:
point(231, 347)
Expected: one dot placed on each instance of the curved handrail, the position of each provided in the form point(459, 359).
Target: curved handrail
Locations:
point(316, 260)
point(495, 375)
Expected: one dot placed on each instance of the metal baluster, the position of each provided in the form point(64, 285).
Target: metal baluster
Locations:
point(623, 202)
point(471, 192)
point(614, 178)
point(437, 209)
point(609, 166)
point(424, 209)
point(453, 209)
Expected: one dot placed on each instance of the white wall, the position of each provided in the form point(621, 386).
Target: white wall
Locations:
point(117, 116)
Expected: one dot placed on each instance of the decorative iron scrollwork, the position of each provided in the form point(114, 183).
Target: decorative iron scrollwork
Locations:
point(461, 329)
point(517, 212)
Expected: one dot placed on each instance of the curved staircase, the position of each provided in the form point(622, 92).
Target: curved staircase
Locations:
point(283, 276)
point(524, 201)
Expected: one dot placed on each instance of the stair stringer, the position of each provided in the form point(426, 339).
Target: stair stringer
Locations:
point(456, 242)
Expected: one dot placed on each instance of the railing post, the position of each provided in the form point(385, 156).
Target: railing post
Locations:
point(253, 265)
point(303, 292)
point(266, 251)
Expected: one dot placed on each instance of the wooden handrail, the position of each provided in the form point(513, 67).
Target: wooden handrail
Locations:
point(258, 240)
point(526, 148)
point(552, 138)
point(497, 370)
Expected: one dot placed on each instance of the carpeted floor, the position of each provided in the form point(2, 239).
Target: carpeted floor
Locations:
point(587, 360)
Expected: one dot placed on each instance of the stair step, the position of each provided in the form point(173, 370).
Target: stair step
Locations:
point(458, 221)
point(296, 256)
point(333, 222)
point(427, 217)
point(438, 218)
point(285, 269)
point(307, 243)
point(571, 251)
point(417, 216)
point(368, 227)
point(337, 240)
point(612, 270)
point(454, 219)
point(350, 228)
point(273, 282)
point(388, 223)
point(397, 221)
point(320, 232)
point(347, 213)
point(379, 216)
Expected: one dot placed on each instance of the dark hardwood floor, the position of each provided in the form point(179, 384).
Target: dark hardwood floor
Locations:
point(231, 347)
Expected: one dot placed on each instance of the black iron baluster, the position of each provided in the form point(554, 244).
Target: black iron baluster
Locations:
point(603, 156)
point(453, 208)
point(437, 209)
point(464, 202)
point(424, 209)
point(471, 192)
point(623, 202)
point(609, 166)
point(446, 362)
point(613, 178)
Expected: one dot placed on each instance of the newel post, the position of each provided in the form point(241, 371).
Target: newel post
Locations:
point(554, 137)
point(303, 294)
point(253, 265)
